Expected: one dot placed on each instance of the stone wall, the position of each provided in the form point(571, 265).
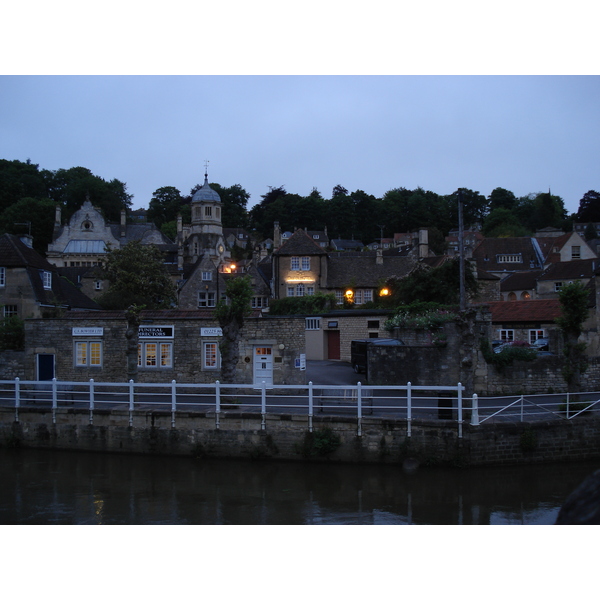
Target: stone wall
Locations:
point(285, 335)
point(287, 437)
point(12, 364)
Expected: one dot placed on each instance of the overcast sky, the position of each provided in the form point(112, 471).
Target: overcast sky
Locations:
point(261, 104)
point(524, 133)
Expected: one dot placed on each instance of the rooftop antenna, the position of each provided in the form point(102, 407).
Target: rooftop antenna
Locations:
point(27, 224)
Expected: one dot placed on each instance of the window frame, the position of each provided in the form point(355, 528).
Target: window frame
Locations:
point(312, 323)
point(47, 280)
point(534, 334)
point(214, 355)
point(507, 335)
point(209, 301)
point(159, 359)
point(305, 263)
point(10, 310)
point(2, 276)
point(88, 353)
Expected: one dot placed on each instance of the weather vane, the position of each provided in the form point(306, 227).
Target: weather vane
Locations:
point(206, 167)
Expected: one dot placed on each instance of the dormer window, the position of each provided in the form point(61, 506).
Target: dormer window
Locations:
point(509, 258)
point(47, 280)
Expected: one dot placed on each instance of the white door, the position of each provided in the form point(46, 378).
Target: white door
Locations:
point(263, 366)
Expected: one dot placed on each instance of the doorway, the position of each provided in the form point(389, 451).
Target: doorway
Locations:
point(263, 366)
point(45, 367)
point(333, 344)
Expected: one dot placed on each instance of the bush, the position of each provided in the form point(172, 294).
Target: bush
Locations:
point(12, 334)
point(507, 355)
point(303, 305)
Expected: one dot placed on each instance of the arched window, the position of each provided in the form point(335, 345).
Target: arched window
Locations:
point(525, 296)
point(512, 296)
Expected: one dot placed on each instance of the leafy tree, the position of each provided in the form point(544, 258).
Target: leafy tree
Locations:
point(339, 190)
point(39, 213)
point(590, 232)
point(138, 279)
point(574, 302)
point(440, 285)
point(137, 276)
point(164, 206)
point(20, 180)
point(303, 305)
point(502, 222)
point(475, 207)
point(231, 313)
point(501, 198)
point(12, 334)
point(589, 208)
point(234, 200)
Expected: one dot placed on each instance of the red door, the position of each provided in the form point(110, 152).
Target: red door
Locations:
point(333, 345)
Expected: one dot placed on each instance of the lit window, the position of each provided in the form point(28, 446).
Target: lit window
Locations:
point(525, 296)
point(151, 348)
point(211, 355)
point(166, 358)
point(88, 354)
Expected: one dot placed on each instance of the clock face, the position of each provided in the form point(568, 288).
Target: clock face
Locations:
point(220, 248)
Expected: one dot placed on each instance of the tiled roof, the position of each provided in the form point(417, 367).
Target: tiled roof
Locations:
point(571, 270)
point(487, 251)
point(520, 281)
point(525, 311)
point(363, 271)
point(300, 244)
point(14, 253)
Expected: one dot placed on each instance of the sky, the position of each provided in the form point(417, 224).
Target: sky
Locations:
point(524, 133)
point(439, 95)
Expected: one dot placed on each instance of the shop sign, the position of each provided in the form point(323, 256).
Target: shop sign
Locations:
point(211, 331)
point(155, 331)
point(87, 331)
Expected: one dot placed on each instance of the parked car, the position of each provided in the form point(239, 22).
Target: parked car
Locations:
point(359, 349)
point(541, 344)
point(516, 343)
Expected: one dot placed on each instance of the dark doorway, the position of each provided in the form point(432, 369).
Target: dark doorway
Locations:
point(333, 345)
point(45, 367)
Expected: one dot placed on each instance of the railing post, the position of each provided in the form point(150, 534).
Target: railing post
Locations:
point(460, 411)
point(408, 409)
point(131, 403)
point(263, 405)
point(91, 401)
point(17, 398)
point(173, 401)
point(217, 403)
point(54, 400)
point(475, 410)
point(568, 413)
point(310, 406)
point(359, 408)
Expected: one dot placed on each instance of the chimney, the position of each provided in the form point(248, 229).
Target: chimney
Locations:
point(57, 222)
point(123, 227)
point(423, 243)
point(379, 257)
point(276, 235)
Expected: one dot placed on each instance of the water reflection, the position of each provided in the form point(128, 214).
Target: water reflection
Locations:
point(55, 487)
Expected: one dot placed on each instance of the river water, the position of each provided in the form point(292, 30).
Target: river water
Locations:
point(61, 487)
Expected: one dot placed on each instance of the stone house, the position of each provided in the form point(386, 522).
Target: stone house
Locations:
point(173, 344)
point(30, 286)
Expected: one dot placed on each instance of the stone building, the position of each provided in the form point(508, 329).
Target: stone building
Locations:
point(173, 345)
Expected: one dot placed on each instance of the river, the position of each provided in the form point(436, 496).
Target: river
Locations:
point(59, 487)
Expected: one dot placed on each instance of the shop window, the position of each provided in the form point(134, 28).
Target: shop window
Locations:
point(88, 354)
point(210, 355)
point(155, 354)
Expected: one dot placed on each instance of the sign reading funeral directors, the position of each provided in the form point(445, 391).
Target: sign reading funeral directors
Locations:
point(156, 331)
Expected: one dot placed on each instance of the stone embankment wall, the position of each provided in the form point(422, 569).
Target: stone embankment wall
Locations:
point(287, 437)
point(12, 364)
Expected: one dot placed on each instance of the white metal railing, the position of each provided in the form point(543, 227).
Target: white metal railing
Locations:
point(533, 407)
point(404, 402)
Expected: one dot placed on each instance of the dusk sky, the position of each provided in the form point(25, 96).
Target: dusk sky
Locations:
point(374, 133)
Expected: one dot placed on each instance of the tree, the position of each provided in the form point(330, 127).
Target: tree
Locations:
point(231, 313)
point(502, 222)
point(138, 279)
point(475, 207)
point(501, 198)
point(20, 180)
point(30, 214)
point(590, 232)
point(574, 302)
point(164, 206)
point(589, 208)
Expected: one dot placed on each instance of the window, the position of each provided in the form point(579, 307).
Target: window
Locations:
point(306, 263)
point(291, 291)
point(155, 354)
point(88, 354)
point(206, 299)
point(98, 285)
point(313, 324)
point(367, 296)
point(260, 302)
point(509, 258)
point(512, 296)
point(210, 354)
point(575, 252)
point(2, 276)
point(536, 334)
point(507, 335)
point(339, 296)
point(208, 211)
point(358, 297)
point(558, 286)
point(206, 275)
point(10, 310)
point(47, 280)
point(310, 290)
point(373, 324)
point(300, 290)
point(525, 296)
point(295, 263)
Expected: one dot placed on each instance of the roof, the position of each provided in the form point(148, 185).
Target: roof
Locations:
point(347, 244)
point(571, 270)
point(546, 311)
point(520, 281)
point(155, 315)
point(206, 193)
point(363, 270)
point(15, 254)
point(299, 244)
point(85, 247)
point(487, 252)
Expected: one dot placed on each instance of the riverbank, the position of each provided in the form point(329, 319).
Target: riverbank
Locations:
point(237, 434)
